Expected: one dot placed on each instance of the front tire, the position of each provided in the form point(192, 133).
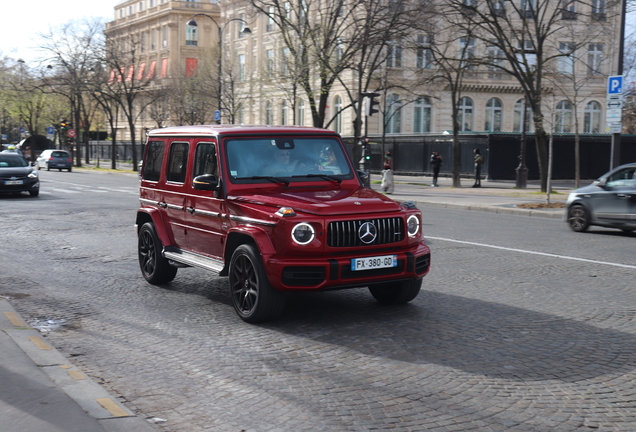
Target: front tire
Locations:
point(393, 293)
point(578, 218)
point(154, 267)
point(253, 298)
point(34, 193)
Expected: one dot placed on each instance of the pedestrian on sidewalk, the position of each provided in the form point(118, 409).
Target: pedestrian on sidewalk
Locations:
point(479, 161)
point(387, 174)
point(436, 163)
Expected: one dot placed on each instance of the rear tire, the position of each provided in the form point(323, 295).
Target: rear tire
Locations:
point(392, 293)
point(70, 169)
point(253, 298)
point(154, 267)
point(578, 218)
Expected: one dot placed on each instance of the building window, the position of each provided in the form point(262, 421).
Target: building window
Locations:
point(496, 60)
point(592, 118)
point(393, 117)
point(337, 111)
point(192, 36)
point(394, 55)
point(422, 115)
point(516, 127)
point(241, 67)
point(528, 8)
point(598, 10)
point(566, 60)
point(467, 52)
point(270, 63)
point(242, 25)
point(498, 8)
point(165, 37)
point(300, 116)
point(142, 6)
point(465, 114)
point(424, 59)
point(339, 49)
point(164, 68)
point(284, 113)
point(568, 9)
point(153, 39)
point(563, 117)
point(284, 63)
point(270, 19)
point(494, 114)
point(269, 115)
point(595, 59)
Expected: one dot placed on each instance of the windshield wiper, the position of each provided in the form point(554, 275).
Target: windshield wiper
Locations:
point(269, 178)
point(323, 176)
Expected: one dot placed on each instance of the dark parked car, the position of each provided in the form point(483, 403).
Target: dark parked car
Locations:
point(59, 159)
point(17, 175)
point(609, 202)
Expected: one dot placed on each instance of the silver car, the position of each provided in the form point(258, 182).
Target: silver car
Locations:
point(609, 202)
point(56, 159)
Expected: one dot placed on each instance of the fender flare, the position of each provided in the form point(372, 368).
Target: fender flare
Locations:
point(260, 238)
point(156, 217)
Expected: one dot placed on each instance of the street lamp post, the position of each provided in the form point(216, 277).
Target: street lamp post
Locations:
point(522, 169)
point(245, 30)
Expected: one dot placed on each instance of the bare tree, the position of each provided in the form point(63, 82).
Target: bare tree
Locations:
point(525, 32)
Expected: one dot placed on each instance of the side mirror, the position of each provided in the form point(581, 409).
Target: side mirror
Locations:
point(206, 182)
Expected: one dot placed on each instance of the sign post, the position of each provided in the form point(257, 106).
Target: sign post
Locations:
point(614, 116)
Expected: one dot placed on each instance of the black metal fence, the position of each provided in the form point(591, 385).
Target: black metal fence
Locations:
point(411, 154)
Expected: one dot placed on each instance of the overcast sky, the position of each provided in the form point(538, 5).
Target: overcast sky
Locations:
point(22, 20)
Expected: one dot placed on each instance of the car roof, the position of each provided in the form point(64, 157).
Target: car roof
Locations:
point(216, 130)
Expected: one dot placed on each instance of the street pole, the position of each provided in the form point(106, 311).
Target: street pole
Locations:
point(220, 66)
point(615, 152)
point(522, 170)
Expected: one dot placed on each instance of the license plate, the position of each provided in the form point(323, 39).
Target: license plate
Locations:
point(13, 182)
point(372, 263)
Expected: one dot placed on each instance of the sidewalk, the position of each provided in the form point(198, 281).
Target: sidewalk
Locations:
point(40, 391)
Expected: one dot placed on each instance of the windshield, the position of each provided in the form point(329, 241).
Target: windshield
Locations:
point(12, 162)
point(286, 159)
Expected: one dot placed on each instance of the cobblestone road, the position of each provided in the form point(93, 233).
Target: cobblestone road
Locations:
point(497, 340)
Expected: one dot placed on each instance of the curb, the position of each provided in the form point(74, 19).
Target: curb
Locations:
point(493, 209)
point(90, 396)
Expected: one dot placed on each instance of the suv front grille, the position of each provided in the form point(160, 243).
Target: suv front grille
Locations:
point(346, 233)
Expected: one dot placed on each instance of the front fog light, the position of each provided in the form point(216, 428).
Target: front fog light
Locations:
point(413, 225)
point(303, 233)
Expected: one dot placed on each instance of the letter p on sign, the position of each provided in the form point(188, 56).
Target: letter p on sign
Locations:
point(615, 84)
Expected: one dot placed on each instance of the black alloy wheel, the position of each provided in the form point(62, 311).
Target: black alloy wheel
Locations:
point(154, 267)
point(253, 298)
point(578, 218)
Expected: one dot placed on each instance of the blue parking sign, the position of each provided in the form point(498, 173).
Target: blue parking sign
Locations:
point(615, 84)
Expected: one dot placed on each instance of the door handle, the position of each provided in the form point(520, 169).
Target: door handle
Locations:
point(620, 195)
point(162, 204)
point(190, 210)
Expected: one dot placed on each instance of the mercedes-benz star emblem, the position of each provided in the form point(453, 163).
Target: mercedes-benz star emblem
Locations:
point(367, 233)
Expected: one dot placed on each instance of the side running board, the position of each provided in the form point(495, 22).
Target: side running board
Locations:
point(193, 259)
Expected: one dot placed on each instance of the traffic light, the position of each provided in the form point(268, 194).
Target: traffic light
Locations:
point(372, 103)
point(63, 126)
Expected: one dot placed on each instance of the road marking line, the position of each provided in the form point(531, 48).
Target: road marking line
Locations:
point(14, 319)
point(533, 252)
point(76, 375)
point(40, 343)
point(112, 407)
point(65, 191)
point(66, 366)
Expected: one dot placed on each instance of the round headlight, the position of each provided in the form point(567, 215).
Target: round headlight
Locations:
point(413, 225)
point(303, 233)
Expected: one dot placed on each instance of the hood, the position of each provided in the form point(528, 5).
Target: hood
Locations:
point(586, 189)
point(15, 172)
point(324, 202)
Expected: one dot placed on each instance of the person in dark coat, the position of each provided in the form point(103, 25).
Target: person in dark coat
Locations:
point(479, 161)
point(436, 164)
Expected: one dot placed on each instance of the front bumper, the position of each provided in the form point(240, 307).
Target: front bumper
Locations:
point(26, 186)
point(334, 272)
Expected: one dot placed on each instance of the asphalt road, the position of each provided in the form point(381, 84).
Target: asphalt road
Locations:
point(522, 325)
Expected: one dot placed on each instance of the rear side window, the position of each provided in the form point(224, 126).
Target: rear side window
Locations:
point(205, 160)
point(153, 160)
point(178, 162)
